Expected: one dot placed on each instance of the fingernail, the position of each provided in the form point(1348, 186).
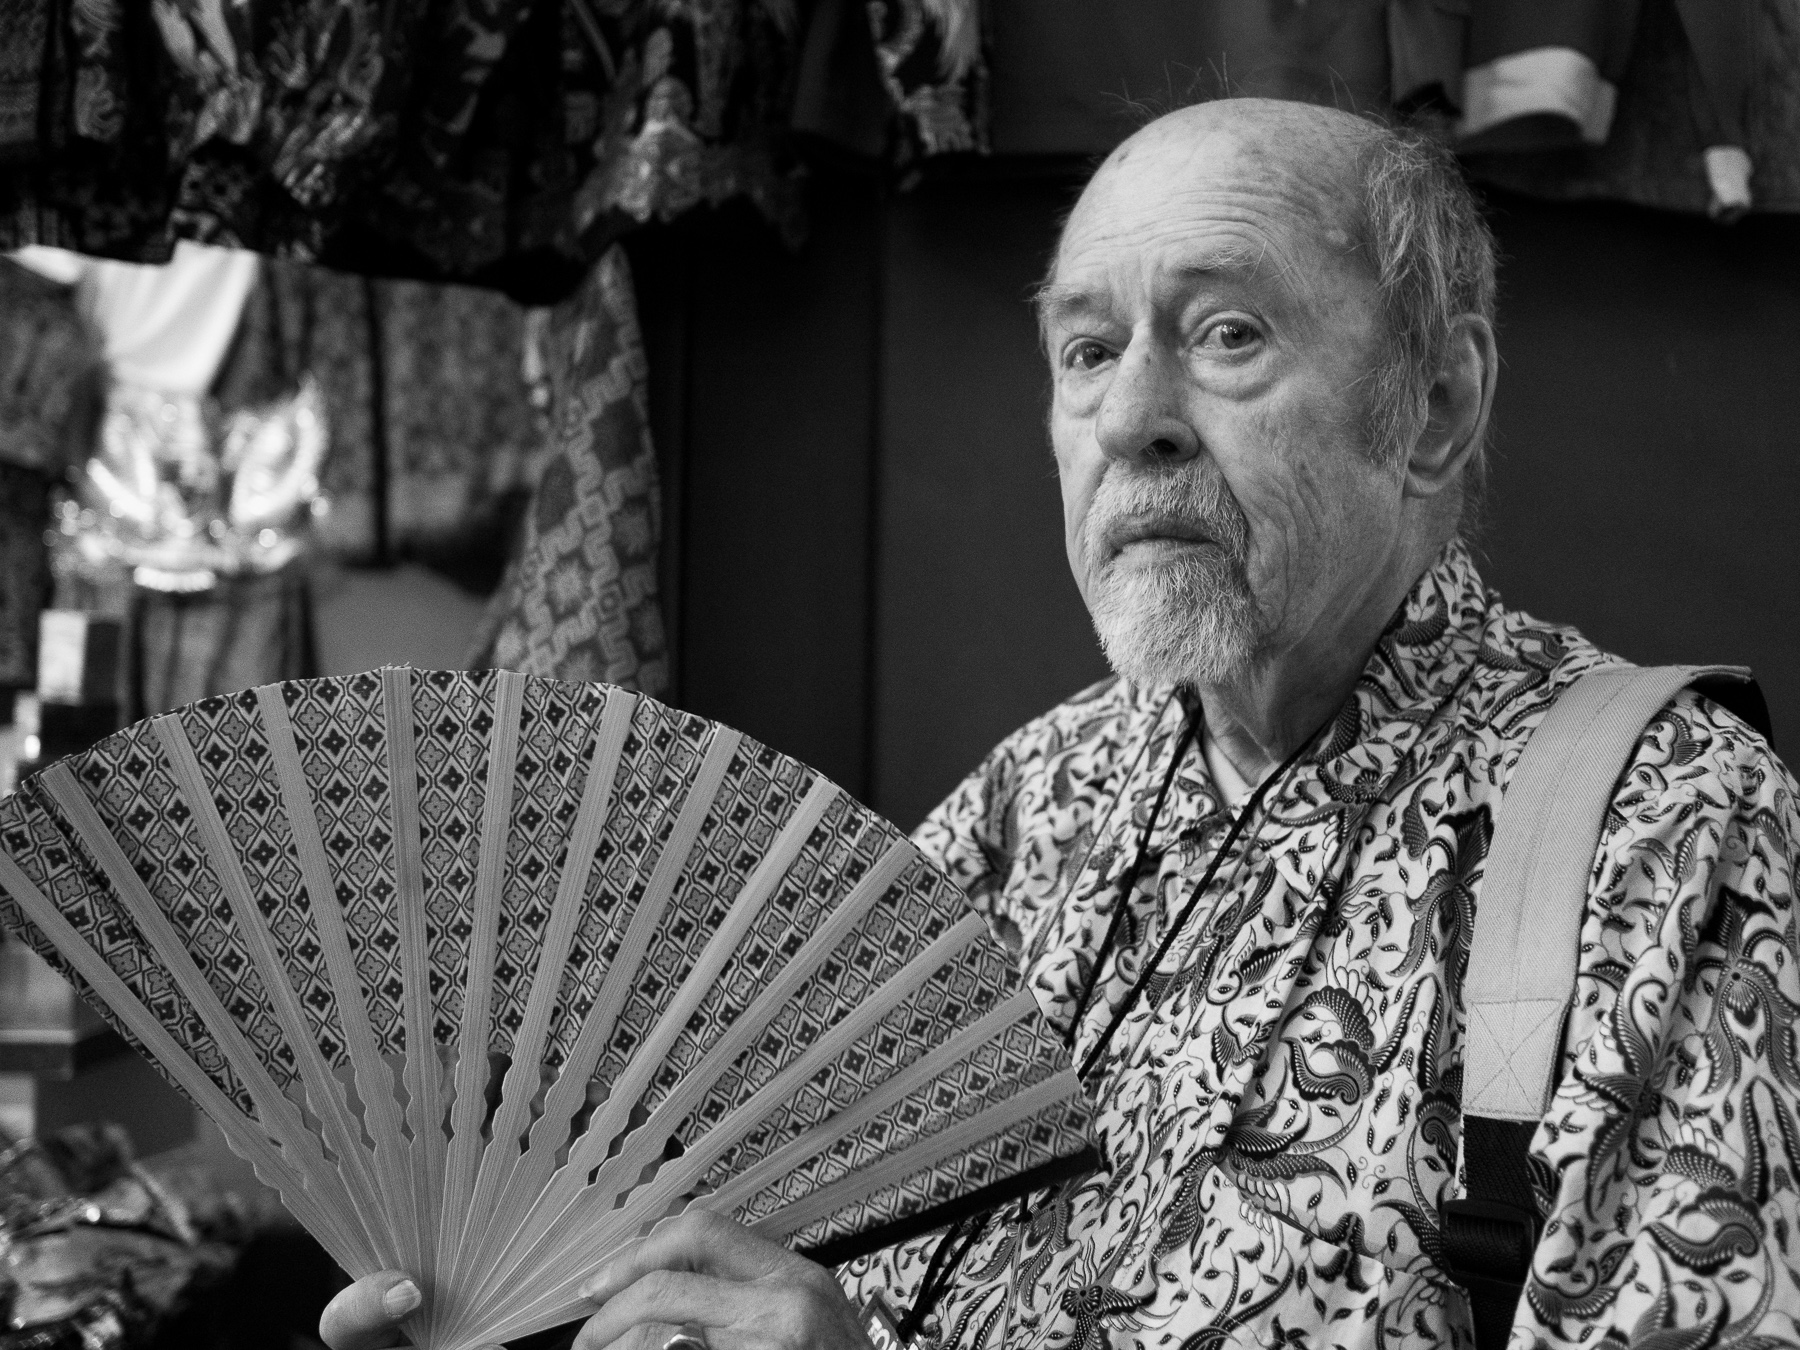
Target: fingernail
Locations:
point(596, 1284)
point(401, 1299)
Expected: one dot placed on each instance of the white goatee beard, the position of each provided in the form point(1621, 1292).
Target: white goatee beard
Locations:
point(1188, 618)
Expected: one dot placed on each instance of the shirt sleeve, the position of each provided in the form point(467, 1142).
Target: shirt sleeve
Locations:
point(973, 837)
point(1671, 1152)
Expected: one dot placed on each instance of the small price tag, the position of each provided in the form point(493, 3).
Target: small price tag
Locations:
point(880, 1325)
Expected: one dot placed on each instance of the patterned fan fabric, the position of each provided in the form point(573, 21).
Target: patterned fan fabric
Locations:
point(486, 974)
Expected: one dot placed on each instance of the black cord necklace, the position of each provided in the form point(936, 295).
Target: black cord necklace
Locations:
point(948, 1256)
point(1129, 881)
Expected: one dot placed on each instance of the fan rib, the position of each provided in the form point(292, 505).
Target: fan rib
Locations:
point(813, 1142)
point(472, 1068)
point(645, 920)
point(928, 1152)
point(367, 1065)
point(625, 1092)
point(622, 1168)
point(687, 1095)
point(556, 1303)
point(321, 1088)
point(246, 1138)
point(275, 1112)
point(613, 1116)
point(420, 1074)
point(501, 1165)
point(899, 987)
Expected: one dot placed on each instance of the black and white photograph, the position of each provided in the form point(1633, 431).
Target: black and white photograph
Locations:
point(899, 674)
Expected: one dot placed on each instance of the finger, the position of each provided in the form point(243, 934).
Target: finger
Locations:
point(698, 1241)
point(367, 1315)
point(669, 1298)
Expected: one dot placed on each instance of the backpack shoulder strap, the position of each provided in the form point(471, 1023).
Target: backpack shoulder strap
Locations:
point(1523, 957)
point(1525, 952)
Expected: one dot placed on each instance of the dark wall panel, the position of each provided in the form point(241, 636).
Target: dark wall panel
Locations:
point(979, 625)
point(1647, 483)
point(772, 511)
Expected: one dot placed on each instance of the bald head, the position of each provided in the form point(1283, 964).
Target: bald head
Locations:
point(1311, 155)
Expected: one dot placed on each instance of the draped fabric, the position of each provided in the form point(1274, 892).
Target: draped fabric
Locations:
point(506, 143)
point(24, 572)
point(579, 602)
point(52, 385)
point(434, 438)
point(52, 380)
point(1707, 117)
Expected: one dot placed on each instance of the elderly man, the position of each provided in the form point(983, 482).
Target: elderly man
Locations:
point(1244, 871)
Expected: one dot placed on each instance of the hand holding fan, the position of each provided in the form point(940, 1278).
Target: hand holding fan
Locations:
point(485, 974)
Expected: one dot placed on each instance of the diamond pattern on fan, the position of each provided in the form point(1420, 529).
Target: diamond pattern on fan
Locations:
point(839, 852)
point(556, 737)
point(759, 792)
point(240, 777)
point(661, 755)
point(962, 991)
point(1056, 1132)
point(340, 729)
point(844, 981)
point(453, 718)
point(135, 794)
point(36, 840)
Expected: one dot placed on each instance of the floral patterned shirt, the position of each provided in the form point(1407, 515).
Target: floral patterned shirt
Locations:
point(1280, 1112)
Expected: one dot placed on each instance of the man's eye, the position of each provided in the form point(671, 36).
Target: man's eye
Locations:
point(1231, 335)
point(1087, 355)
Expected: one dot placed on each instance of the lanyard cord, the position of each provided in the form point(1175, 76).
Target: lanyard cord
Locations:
point(1127, 882)
point(940, 1273)
point(1162, 950)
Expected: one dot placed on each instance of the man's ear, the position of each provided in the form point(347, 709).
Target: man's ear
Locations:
point(1456, 410)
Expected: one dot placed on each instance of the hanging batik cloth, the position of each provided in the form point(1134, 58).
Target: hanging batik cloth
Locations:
point(580, 600)
point(507, 143)
point(434, 439)
point(52, 384)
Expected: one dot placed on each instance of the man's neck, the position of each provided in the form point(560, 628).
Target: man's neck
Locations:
point(1259, 718)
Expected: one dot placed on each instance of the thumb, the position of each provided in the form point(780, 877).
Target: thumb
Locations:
point(367, 1314)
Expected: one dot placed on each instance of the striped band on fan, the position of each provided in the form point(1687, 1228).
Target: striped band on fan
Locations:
point(486, 974)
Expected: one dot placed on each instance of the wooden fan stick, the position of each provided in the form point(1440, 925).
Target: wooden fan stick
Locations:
point(246, 1137)
point(556, 1303)
point(420, 1074)
point(473, 1252)
point(344, 1138)
point(927, 1153)
point(470, 1108)
point(618, 1172)
point(277, 1114)
point(648, 1139)
point(611, 1116)
point(822, 1136)
point(497, 1183)
point(369, 1069)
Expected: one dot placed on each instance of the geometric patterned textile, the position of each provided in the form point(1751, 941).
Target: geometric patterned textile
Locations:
point(579, 602)
point(487, 973)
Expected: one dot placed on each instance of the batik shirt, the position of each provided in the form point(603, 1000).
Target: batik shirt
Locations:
point(1280, 1113)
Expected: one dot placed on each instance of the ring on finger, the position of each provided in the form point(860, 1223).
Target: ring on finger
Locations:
point(691, 1336)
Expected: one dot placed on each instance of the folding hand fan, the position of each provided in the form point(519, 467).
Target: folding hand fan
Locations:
point(486, 974)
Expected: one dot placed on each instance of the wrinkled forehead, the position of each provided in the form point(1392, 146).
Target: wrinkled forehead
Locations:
point(1270, 192)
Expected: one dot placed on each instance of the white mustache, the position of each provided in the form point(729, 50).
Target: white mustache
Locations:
point(1192, 506)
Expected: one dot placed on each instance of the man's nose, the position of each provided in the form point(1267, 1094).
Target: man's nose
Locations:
point(1141, 416)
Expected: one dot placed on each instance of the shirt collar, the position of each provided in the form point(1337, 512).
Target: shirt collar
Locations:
point(1389, 723)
